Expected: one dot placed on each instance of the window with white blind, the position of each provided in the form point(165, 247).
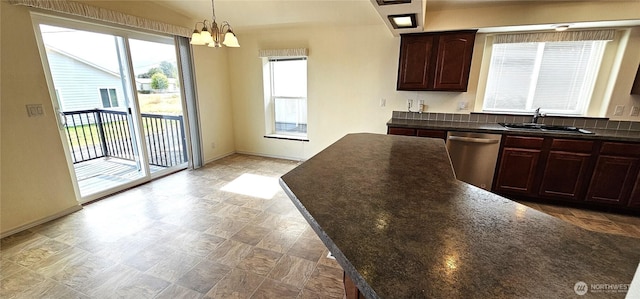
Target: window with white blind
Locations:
point(288, 95)
point(556, 76)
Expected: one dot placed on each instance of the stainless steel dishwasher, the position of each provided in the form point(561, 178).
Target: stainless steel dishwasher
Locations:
point(474, 156)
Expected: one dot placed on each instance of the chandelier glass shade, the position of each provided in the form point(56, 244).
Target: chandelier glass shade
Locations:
point(213, 36)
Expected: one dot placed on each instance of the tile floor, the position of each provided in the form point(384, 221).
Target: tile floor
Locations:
point(224, 231)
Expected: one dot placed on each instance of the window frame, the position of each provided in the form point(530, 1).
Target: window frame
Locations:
point(605, 78)
point(581, 107)
point(109, 94)
point(271, 130)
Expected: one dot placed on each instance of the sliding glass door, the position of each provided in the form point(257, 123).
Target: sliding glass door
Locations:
point(117, 95)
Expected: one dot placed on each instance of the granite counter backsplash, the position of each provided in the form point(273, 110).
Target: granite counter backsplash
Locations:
point(580, 122)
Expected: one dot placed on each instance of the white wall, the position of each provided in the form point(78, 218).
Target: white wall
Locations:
point(36, 182)
point(214, 102)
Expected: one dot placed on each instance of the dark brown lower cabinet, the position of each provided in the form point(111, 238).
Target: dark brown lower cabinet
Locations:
point(401, 131)
point(634, 200)
point(432, 133)
point(613, 180)
point(564, 175)
point(517, 170)
point(351, 291)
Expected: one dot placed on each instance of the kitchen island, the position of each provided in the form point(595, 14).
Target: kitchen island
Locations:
point(392, 213)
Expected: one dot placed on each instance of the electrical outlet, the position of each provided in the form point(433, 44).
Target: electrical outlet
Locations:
point(619, 110)
point(35, 110)
point(383, 102)
point(463, 105)
point(635, 111)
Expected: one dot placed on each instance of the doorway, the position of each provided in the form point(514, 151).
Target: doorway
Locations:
point(119, 103)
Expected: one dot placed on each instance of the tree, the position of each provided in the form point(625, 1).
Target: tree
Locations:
point(151, 72)
point(169, 69)
point(159, 81)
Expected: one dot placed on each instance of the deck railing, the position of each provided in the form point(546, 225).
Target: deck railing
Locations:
point(98, 133)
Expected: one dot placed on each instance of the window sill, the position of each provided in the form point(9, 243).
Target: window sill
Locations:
point(287, 137)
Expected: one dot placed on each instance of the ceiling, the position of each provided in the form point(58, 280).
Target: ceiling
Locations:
point(247, 15)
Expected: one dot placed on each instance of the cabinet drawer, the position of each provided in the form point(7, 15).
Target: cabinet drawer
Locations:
point(402, 131)
point(524, 142)
point(432, 133)
point(620, 149)
point(569, 145)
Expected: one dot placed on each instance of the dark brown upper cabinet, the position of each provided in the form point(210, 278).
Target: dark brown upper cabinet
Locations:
point(435, 61)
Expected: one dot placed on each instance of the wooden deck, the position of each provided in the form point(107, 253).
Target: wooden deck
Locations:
point(104, 173)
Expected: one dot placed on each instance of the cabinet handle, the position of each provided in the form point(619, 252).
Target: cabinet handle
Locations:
point(473, 140)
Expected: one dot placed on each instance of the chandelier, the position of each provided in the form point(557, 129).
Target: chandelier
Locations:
point(212, 35)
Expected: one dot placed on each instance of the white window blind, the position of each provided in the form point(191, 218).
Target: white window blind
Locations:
point(556, 76)
point(289, 95)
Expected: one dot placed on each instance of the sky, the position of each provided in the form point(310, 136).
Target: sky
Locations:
point(100, 49)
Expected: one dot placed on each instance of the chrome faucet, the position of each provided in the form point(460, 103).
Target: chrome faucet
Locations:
point(537, 115)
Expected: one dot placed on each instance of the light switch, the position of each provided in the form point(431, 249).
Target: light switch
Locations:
point(35, 110)
point(619, 110)
point(635, 110)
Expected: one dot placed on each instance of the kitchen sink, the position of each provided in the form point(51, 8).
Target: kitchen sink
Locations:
point(543, 127)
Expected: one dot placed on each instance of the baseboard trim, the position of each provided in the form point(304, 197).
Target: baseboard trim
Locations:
point(41, 221)
point(271, 156)
point(218, 157)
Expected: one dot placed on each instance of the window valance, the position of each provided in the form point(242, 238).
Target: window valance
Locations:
point(106, 15)
point(275, 53)
point(538, 37)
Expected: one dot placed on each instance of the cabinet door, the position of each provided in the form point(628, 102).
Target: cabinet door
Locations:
point(517, 171)
point(612, 180)
point(401, 131)
point(432, 133)
point(415, 60)
point(454, 61)
point(634, 200)
point(564, 175)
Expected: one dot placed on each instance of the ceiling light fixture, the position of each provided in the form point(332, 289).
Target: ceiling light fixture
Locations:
point(403, 21)
point(561, 27)
point(214, 36)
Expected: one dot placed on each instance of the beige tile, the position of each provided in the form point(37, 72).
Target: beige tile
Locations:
point(225, 227)
point(59, 261)
point(11, 286)
point(260, 261)
point(230, 253)
point(178, 292)
point(128, 283)
point(148, 257)
point(195, 243)
point(50, 289)
point(79, 272)
point(237, 284)
point(270, 289)
point(307, 248)
point(279, 241)
point(203, 276)
point(630, 229)
point(251, 234)
point(9, 268)
point(173, 266)
point(326, 261)
point(326, 282)
point(554, 209)
point(635, 220)
point(292, 270)
point(588, 214)
point(37, 252)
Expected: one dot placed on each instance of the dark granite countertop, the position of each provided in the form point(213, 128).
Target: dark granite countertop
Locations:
point(390, 210)
point(598, 134)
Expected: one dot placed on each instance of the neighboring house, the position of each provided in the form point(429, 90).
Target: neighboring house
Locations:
point(144, 84)
point(82, 85)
